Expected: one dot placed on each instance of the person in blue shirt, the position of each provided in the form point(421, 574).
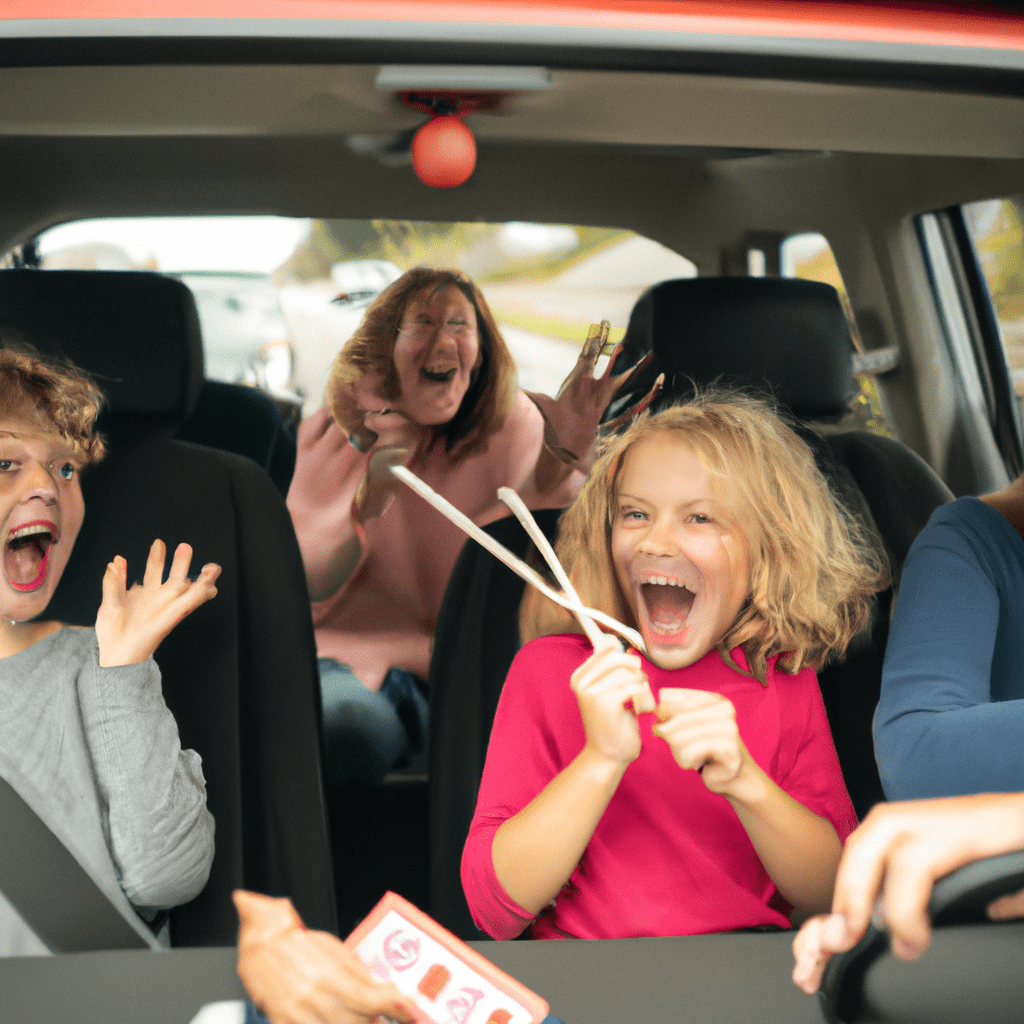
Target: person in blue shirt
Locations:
point(950, 720)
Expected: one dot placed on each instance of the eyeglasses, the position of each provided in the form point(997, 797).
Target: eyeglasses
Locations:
point(416, 329)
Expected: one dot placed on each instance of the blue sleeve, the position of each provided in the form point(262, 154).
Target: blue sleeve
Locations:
point(938, 731)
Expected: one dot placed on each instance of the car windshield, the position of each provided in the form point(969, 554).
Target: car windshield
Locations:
point(546, 283)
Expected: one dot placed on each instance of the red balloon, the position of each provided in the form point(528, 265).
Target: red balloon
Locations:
point(443, 152)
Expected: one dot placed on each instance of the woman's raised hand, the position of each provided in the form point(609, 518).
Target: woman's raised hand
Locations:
point(571, 418)
point(385, 425)
point(607, 686)
point(389, 437)
point(131, 622)
point(700, 728)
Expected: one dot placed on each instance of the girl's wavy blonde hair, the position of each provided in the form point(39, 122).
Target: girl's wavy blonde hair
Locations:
point(371, 349)
point(813, 565)
point(51, 397)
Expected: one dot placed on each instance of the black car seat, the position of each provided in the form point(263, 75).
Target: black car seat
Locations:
point(245, 420)
point(788, 338)
point(240, 673)
point(476, 638)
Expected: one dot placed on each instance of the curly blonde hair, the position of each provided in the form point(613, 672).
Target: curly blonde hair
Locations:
point(52, 397)
point(814, 566)
point(371, 349)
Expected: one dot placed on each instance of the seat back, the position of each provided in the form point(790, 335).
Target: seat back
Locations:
point(239, 674)
point(477, 637)
point(789, 339)
point(783, 336)
point(236, 418)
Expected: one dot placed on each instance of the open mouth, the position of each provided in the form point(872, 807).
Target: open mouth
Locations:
point(27, 555)
point(667, 604)
point(437, 376)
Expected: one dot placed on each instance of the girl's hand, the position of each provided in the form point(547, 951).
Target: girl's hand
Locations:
point(131, 623)
point(294, 975)
point(572, 418)
point(606, 685)
point(701, 730)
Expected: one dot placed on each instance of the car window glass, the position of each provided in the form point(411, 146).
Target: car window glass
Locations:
point(995, 227)
point(278, 297)
point(808, 255)
point(545, 283)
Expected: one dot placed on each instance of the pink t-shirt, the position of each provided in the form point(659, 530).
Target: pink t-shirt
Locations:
point(385, 614)
point(668, 856)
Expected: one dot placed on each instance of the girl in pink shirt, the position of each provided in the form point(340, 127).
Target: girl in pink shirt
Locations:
point(695, 788)
point(426, 381)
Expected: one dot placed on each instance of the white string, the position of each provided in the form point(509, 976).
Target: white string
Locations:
point(517, 565)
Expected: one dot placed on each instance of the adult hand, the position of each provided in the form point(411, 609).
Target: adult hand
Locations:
point(571, 419)
point(900, 850)
point(700, 729)
point(608, 686)
point(390, 438)
point(384, 425)
point(131, 623)
point(295, 976)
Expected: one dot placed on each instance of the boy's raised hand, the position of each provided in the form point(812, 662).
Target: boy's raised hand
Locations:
point(700, 728)
point(605, 685)
point(131, 622)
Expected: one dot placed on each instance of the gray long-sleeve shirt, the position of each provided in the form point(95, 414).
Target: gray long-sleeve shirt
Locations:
point(95, 753)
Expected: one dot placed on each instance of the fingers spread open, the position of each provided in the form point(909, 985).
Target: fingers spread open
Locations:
point(155, 564)
point(597, 338)
point(115, 581)
point(179, 564)
point(623, 380)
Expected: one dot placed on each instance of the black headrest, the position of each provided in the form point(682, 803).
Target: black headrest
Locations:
point(136, 333)
point(785, 334)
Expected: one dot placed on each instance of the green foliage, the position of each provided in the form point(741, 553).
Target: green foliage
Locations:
point(1001, 250)
point(414, 243)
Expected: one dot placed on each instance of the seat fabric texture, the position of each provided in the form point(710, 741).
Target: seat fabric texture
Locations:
point(236, 418)
point(239, 674)
point(477, 637)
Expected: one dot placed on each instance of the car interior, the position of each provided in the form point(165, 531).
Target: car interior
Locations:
point(719, 152)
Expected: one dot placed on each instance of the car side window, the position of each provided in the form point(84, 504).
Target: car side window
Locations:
point(966, 249)
point(996, 229)
point(809, 256)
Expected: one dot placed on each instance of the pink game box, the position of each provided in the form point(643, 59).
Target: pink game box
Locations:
point(449, 982)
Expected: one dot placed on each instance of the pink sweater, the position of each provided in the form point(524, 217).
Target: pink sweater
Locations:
point(384, 615)
point(668, 857)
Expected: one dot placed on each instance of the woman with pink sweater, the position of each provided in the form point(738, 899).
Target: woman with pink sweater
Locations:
point(426, 381)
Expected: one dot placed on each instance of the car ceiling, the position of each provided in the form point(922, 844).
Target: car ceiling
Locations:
point(613, 147)
point(695, 147)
